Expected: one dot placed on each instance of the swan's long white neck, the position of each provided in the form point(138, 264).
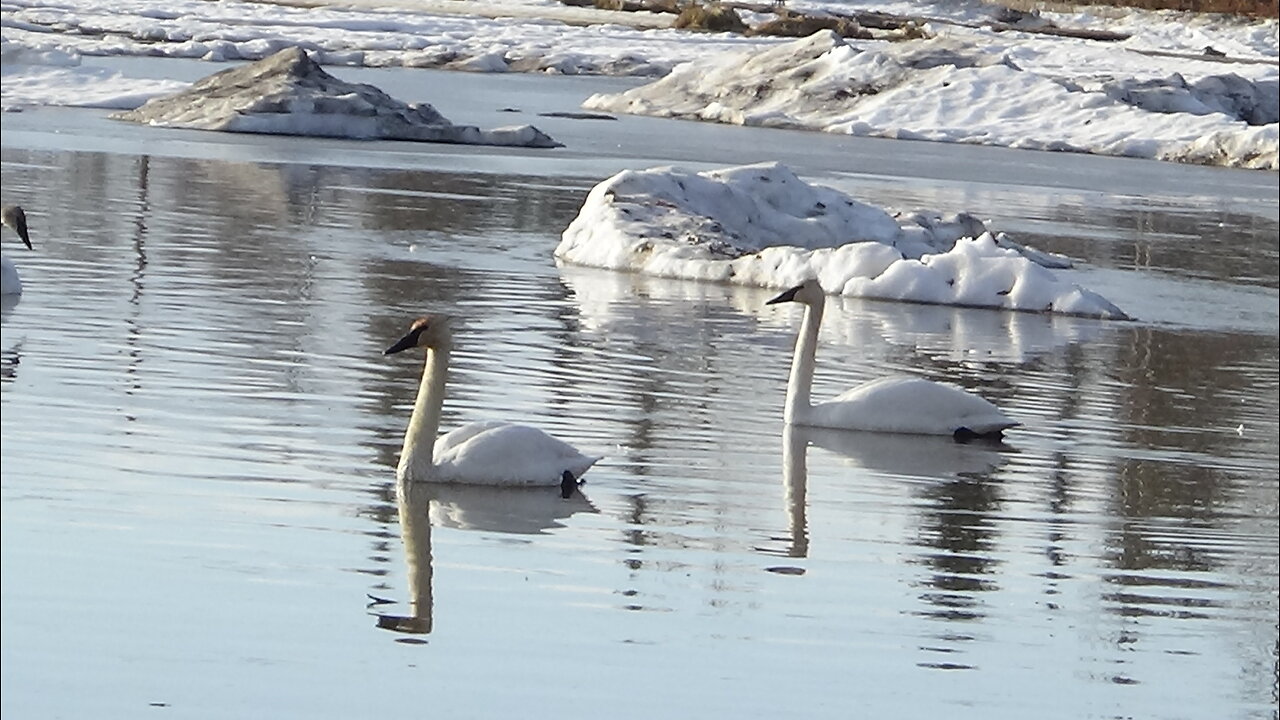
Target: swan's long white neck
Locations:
point(424, 424)
point(801, 380)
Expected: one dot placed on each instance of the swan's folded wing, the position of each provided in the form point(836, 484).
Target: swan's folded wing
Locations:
point(460, 436)
point(910, 405)
point(499, 453)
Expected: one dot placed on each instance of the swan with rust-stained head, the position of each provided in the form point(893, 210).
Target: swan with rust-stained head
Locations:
point(481, 453)
point(15, 219)
point(893, 404)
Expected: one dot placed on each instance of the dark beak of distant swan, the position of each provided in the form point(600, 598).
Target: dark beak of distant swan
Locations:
point(404, 343)
point(567, 485)
point(786, 296)
point(15, 218)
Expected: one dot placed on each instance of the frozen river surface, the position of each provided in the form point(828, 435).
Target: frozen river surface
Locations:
point(200, 433)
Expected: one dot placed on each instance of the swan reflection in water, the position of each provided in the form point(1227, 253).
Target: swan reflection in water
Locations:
point(7, 305)
point(899, 455)
point(10, 358)
point(516, 510)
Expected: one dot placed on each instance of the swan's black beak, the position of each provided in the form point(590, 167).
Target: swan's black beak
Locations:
point(404, 343)
point(567, 485)
point(786, 296)
point(18, 221)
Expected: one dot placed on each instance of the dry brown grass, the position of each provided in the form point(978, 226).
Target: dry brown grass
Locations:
point(657, 6)
point(712, 17)
point(1250, 8)
point(805, 25)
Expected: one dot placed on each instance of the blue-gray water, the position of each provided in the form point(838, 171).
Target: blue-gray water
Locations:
point(199, 437)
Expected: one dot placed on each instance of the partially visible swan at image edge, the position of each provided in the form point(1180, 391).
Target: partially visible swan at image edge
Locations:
point(15, 219)
point(892, 404)
point(481, 453)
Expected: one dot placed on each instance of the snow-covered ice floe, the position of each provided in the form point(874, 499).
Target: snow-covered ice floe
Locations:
point(289, 94)
point(761, 225)
point(951, 89)
point(46, 74)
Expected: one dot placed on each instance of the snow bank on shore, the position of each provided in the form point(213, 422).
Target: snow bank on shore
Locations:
point(947, 90)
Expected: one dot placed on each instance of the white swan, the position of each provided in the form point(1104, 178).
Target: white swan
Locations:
point(15, 219)
point(482, 453)
point(893, 404)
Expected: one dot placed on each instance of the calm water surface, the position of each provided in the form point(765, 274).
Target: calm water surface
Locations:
point(200, 517)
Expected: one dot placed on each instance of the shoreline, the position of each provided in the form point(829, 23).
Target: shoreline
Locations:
point(596, 149)
point(968, 84)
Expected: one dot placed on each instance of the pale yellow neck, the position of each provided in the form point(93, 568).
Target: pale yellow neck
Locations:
point(424, 425)
point(802, 363)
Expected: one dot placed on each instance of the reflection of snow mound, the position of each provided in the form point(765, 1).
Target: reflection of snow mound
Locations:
point(761, 225)
point(289, 94)
point(635, 305)
point(947, 91)
point(956, 335)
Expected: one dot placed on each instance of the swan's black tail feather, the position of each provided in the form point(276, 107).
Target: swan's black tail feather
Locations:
point(965, 435)
point(568, 484)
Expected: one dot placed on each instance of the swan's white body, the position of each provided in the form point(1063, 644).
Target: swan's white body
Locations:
point(907, 405)
point(10, 283)
point(482, 453)
point(503, 453)
point(893, 404)
point(11, 216)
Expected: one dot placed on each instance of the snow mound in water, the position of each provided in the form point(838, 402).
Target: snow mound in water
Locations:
point(289, 94)
point(761, 225)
